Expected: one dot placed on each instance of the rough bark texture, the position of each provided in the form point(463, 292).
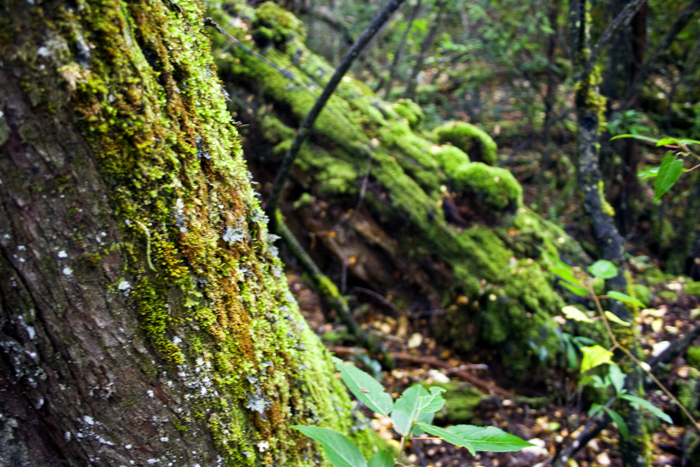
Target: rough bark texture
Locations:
point(590, 106)
point(144, 316)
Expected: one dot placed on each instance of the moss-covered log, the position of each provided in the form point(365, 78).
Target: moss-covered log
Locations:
point(144, 316)
point(455, 230)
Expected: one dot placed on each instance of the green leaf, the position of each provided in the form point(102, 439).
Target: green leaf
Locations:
point(489, 438)
point(423, 417)
point(571, 355)
point(381, 459)
point(340, 450)
point(649, 406)
point(433, 402)
point(581, 341)
point(666, 141)
point(448, 436)
point(617, 378)
point(571, 312)
point(621, 425)
point(670, 171)
point(577, 289)
point(595, 409)
point(367, 389)
point(566, 274)
point(615, 319)
point(594, 356)
point(648, 173)
point(640, 137)
point(603, 268)
point(407, 408)
point(624, 298)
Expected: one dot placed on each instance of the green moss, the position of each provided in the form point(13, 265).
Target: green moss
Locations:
point(411, 111)
point(478, 145)
point(495, 187)
point(202, 275)
point(460, 402)
point(654, 277)
point(668, 296)
point(642, 293)
point(688, 392)
point(692, 288)
point(277, 24)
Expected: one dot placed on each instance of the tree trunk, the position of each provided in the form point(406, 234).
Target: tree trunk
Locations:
point(590, 106)
point(144, 316)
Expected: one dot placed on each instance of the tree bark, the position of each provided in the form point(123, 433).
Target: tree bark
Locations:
point(590, 105)
point(144, 316)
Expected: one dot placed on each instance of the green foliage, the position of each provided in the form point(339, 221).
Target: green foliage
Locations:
point(412, 413)
point(624, 298)
point(670, 171)
point(603, 269)
point(495, 187)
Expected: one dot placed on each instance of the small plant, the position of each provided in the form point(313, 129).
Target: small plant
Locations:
point(671, 168)
point(595, 355)
point(412, 415)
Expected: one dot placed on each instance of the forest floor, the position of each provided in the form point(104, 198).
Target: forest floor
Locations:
point(550, 415)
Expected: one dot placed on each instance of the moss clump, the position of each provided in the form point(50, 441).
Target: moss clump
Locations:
point(274, 23)
point(668, 296)
point(474, 141)
point(494, 187)
point(411, 111)
point(642, 293)
point(692, 288)
point(460, 402)
point(693, 356)
point(654, 277)
point(688, 393)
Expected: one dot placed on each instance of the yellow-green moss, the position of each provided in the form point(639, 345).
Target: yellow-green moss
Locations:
point(471, 139)
point(495, 187)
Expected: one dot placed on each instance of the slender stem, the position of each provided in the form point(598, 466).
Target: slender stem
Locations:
point(635, 360)
point(320, 103)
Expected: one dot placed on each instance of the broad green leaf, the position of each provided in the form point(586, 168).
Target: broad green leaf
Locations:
point(340, 450)
point(665, 141)
point(621, 425)
point(448, 436)
point(617, 378)
point(489, 438)
point(367, 389)
point(381, 459)
point(566, 274)
point(649, 406)
point(571, 312)
point(689, 141)
point(433, 402)
point(648, 173)
point(577, 289)
point(615, 319)
point(595, 409)
point(571, 355)
point(640, 137)
point(423, 417)
point(603, 268)
point(594, 356)
point(670, 171)
point(624, 298)
point(407, 408)
point(580, 341)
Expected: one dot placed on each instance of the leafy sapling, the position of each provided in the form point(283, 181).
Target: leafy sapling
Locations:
point(594, 355)
point(412, 415)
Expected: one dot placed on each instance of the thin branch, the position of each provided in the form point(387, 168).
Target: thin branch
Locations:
point(410, 92)
point(627, 13)
point(682, 20)
point(320, 103)
point(399, 51)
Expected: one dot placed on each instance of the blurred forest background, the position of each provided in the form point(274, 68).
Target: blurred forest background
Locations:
point(456, 152)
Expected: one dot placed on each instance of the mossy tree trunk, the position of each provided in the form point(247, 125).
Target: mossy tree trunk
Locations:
point(144, 316)
point(590, 107)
